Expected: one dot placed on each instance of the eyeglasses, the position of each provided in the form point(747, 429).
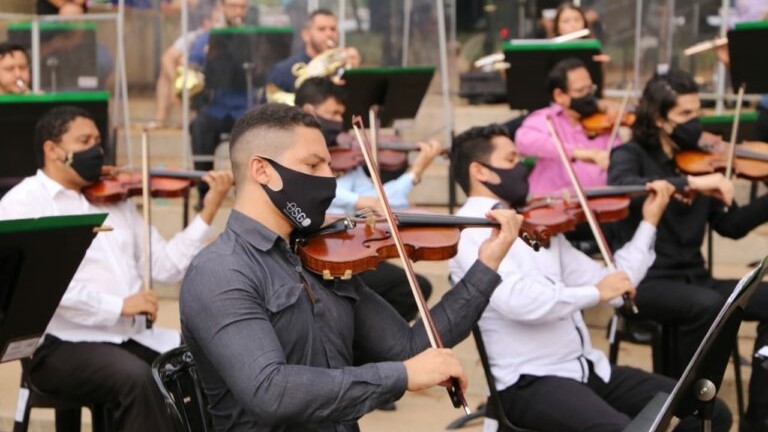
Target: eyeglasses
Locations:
point(584, 91)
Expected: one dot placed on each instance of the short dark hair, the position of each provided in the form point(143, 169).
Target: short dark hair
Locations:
point(53, 125)
point(319, 12)
point(275, 116)
point(317, 90)
point(659, 97)
point(8, 48)
point(568, 6)
point(473, 145)
point(558, 76)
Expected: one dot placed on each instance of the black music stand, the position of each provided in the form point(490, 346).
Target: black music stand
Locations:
point(38, 258)
point(240, 58)
point(396, 91)
point(530, 62)
point(697, 388)
point(722, 124)
point(68, 60)
point(20, 113)
point(744, 42)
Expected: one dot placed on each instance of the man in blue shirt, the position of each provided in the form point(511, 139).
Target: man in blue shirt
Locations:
point(319, 34)
point(218, 115)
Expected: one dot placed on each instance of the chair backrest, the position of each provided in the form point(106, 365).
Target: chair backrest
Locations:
point(494, 408)
point(176, 376)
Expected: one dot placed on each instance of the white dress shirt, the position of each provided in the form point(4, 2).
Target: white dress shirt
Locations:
point(533, 323)
point(112, 268)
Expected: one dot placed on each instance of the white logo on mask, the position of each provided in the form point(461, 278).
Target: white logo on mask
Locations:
point(294, 211)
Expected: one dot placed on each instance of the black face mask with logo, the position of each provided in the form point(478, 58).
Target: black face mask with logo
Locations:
point(87, 163)
point(303, 199)
point(513, 187)
point(585, 106)
point(686, 135)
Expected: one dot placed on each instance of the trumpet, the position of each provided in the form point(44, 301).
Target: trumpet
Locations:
point(195, 81)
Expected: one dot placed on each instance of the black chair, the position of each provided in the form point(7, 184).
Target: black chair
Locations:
point(67, 409)
point(493, 408)
point(176, 376)
point(659, 337)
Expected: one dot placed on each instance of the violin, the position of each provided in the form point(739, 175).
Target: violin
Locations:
point(750, 161)
point(119, 186)
point(347, 247)
point(602, 123)
point(392, 154)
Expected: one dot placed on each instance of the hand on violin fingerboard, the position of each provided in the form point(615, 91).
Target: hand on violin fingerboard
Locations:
point(220, 182)
point(495, 248)
point(660, 193)
point(429, 151)
point(715, 185)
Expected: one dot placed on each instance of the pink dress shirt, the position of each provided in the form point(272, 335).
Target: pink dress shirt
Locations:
point(548, 176)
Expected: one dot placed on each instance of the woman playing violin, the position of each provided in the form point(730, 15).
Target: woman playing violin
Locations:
point(96, 348)
point(549, 376)
point(678, 289)
point(274, 342)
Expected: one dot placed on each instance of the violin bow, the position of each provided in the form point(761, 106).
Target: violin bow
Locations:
point(454, 390)
point(620, 117)
point(734, 131)
point(145, 203)
point(602, 244)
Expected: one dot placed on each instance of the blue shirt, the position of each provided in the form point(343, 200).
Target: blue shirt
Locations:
point(282, 76)
point(223, 103)
point(354, 184)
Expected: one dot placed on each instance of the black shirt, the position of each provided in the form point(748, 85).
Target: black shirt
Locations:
point(45, 8)
point(683, 226)
point(271, 359)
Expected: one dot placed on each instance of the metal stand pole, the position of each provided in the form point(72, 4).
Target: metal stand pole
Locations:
point(36, 54)
point(185, 91)
point(445, 84)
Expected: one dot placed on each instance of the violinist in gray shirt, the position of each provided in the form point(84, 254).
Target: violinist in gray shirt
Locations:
point(273, 342)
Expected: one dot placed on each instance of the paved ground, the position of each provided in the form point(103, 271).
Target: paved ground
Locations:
point(428, 410)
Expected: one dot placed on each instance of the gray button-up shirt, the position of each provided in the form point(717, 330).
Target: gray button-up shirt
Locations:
point(271, 359)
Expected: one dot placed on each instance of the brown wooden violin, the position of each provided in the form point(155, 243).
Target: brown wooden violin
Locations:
point(603, 123)
point(750, 161)
point(353, 245)
point(391, 155)
point(117, 186)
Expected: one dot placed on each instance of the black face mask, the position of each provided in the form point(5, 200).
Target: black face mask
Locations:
point(87, 163)
point(303, 199)
point(331, 130)
point(585, 106)
point(513, 187)
point(686, 135)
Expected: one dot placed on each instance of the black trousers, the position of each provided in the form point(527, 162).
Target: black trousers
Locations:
point(689, 306)
point(390, 282)
point(554, 404)
point(111, 374)
point(205, 132)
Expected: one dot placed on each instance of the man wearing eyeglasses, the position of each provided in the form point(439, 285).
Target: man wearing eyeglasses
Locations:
point(573, 98)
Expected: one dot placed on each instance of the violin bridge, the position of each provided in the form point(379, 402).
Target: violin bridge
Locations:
point(370, 222)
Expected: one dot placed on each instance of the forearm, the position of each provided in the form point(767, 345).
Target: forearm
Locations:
point(740, 220)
